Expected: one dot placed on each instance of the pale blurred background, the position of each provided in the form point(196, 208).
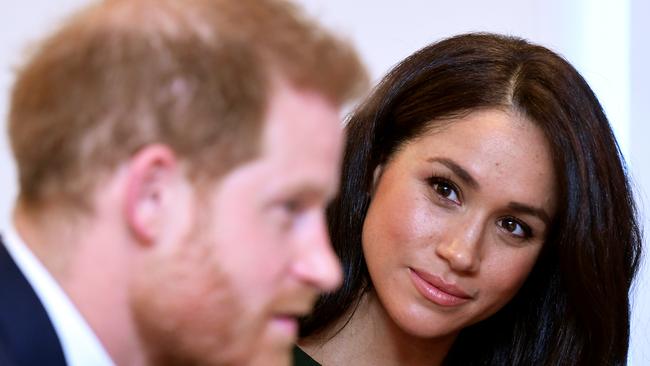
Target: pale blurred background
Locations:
point(607, 40)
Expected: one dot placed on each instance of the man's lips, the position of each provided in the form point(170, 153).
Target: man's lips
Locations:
point(286, 324)
point(436, 290)
point(285, 318)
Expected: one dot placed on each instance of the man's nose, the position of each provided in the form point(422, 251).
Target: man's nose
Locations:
point(316, 262)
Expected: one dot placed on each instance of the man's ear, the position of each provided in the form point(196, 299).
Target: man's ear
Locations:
point(151, 175)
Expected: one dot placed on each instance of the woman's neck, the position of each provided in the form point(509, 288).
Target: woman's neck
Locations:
point(371, 337)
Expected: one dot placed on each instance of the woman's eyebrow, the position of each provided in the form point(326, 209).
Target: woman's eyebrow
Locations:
point(530, 210)
point(466, 177)
point(458, 170)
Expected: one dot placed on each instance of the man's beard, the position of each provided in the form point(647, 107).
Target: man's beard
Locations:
point(187, 310)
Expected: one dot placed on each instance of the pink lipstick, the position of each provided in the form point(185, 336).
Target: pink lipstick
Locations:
point(436, 290)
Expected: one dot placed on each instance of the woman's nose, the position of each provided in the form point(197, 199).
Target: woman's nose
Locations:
point(461, 249)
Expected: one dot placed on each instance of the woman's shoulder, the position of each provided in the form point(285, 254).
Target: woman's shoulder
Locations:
point(300, 358)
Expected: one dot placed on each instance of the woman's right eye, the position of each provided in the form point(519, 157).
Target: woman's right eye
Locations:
point(445, 189)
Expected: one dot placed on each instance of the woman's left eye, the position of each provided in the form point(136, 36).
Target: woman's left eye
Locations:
point(515, 227)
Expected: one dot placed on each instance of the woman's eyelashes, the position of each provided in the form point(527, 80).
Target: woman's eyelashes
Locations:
point(515, 227)
point(445, 189)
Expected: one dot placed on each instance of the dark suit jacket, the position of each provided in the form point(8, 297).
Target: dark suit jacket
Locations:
point(300, 358)
point(27, 337)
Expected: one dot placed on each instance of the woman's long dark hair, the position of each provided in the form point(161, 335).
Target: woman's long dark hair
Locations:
point(574, 307)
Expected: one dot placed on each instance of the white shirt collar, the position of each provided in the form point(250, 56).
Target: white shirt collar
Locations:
point(81, 347)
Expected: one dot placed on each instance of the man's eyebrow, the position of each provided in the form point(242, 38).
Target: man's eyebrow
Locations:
point(458, 170)
point(530, 210)
point(310, 191)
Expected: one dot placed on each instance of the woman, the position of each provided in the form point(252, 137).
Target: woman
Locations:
point(485, 217)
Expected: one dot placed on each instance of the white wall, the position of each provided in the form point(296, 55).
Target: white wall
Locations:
point(640, 163)
point(605, 39)
point(21, 24)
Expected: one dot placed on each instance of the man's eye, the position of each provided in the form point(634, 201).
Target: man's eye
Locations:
point(286, 212)
point(445, 190)
point(291, 206)
point(515, 227)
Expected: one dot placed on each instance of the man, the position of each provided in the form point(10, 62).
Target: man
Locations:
point(174, 159)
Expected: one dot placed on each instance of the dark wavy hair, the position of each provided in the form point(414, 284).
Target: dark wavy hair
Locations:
point(574, 307)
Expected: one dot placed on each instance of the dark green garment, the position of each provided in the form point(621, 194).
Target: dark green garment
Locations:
point(300, 358)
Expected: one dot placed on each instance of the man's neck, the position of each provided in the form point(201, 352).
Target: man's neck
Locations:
point(50, 236)
point(92, 266)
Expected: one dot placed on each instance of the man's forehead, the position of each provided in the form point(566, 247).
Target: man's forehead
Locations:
point(302, 184)
point(293, 111)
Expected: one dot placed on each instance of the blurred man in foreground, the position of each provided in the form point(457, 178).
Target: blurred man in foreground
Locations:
point(174, 158)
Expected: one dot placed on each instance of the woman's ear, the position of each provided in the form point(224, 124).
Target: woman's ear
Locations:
point(150, 178)
point(376, 175)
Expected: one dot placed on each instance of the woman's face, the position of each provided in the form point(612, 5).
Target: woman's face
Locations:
point(457, 220)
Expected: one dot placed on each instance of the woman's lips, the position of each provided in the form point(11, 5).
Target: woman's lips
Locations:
point(436, 290)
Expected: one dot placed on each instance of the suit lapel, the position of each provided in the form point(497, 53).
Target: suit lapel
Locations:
point(27, 337)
